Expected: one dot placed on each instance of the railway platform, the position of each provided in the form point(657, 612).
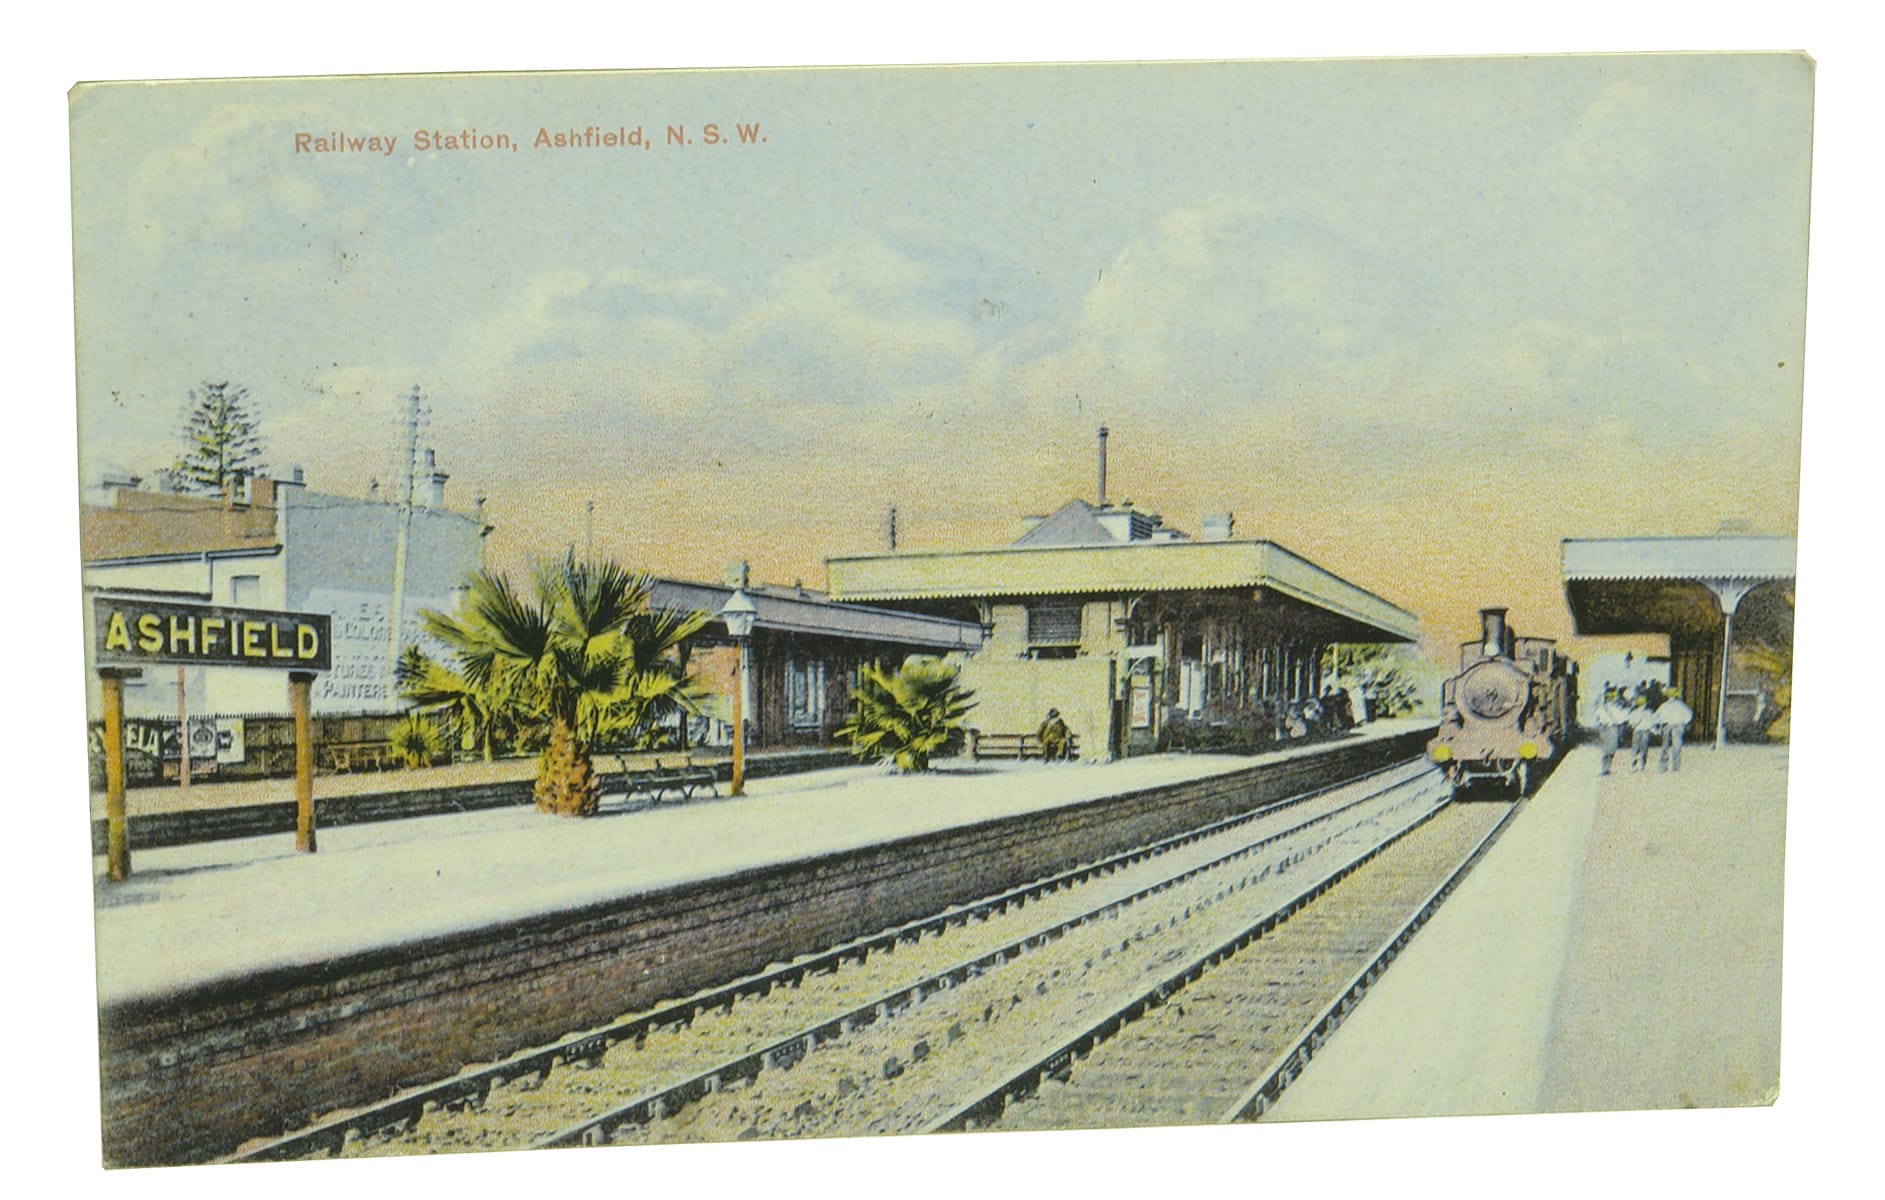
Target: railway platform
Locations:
point(218, 911)
point(214, 796)
point(245, 987)
point(1619, 948)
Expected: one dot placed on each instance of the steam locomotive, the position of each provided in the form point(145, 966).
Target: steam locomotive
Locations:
point(1510, 711)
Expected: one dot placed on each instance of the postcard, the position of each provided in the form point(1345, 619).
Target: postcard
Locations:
point(706, 606)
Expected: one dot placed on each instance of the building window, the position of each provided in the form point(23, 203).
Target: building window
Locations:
point(1191, 687)
point(1053, 630)
point(245, 591)
point(805, 694)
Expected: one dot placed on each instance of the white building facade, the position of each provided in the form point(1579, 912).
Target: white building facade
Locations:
point(276, 544)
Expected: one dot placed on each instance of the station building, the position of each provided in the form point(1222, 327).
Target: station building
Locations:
point(276, 544)
point(1139, 634)
point(803, 657)
point(1710, 596)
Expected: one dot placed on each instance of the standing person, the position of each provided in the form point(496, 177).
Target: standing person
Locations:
point(1611, 718)
point(1642, 722)
point(1673, 719)
point(1053, 736)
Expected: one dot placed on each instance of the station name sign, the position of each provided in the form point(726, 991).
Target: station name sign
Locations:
point(139, 631)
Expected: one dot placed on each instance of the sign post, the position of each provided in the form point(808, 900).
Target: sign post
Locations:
point(183, 734)
point(131, 631)
point(298, 684)
point(117, 845)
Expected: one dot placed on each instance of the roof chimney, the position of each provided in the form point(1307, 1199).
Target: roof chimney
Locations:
point(1102, 501)
point(736, 574)
point(119, 481)
point(1216, 527)
point(435, 481)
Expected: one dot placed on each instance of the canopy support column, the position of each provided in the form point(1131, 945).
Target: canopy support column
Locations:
point(1728, 593)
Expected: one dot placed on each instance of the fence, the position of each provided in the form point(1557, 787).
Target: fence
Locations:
point(228, 746)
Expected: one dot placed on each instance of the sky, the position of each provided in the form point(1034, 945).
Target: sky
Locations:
point(1418, 320)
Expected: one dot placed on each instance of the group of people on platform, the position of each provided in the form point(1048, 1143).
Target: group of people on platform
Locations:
point(1645, 713)
point(1331, 712)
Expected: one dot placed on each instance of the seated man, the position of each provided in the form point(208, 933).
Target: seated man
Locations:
point(1053, 736)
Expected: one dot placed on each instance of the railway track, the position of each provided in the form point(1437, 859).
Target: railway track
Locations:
point(1254, 1014)
point(701, 1067)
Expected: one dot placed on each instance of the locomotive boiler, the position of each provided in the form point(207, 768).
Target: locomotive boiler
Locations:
point(1509, 713)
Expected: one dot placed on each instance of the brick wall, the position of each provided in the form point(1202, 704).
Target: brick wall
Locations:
point(190, 1076)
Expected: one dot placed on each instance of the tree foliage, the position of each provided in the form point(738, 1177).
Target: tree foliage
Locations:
point(1769, 651)
point(578, 662)
point(221, 438)
point(415, 741)
point(907, 715)
point(1396, 679)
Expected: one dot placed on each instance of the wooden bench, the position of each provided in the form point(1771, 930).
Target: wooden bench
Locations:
point(1014, 745)
point(662, 782)
point(346, 756)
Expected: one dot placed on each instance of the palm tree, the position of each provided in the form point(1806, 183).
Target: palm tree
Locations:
point(579, 660)
point(905, 716)
point(654, 684)
point(415, 740)
point(479, 713)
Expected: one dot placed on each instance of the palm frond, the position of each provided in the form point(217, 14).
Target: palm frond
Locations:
point(905, 716)
point(578, 659)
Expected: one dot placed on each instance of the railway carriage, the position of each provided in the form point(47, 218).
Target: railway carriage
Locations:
point(1509, 713)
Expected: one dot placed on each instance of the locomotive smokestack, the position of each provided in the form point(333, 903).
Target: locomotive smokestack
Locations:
point(1493, 632)
point(1102, 503)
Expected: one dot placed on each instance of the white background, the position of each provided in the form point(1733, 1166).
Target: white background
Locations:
point(1813, 1140)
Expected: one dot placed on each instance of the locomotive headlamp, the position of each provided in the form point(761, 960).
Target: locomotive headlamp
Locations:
point(1441, 753)
point(1528, 749)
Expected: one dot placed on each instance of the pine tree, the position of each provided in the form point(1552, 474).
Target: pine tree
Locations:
point(220, 438)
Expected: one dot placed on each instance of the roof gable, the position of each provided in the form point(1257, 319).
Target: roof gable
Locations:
point(1073, 525)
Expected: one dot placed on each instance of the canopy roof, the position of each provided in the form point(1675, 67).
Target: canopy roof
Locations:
point(1666, 585)
point(1739, 557)
point(813, 614)
point(1120, 569)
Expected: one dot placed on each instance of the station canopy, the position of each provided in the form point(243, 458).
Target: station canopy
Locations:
point(807, 613)
point(1666, 585)
point(1266, 573)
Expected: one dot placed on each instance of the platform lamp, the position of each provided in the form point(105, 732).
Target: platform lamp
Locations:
point(739, 615)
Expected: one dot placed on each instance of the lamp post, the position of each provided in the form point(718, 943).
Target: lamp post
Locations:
point(738, 616)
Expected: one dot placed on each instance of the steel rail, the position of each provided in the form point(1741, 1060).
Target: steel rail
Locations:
point(1284, 1069)
point(1015, 1085)
point(471, 1088)
point(669, 1099)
